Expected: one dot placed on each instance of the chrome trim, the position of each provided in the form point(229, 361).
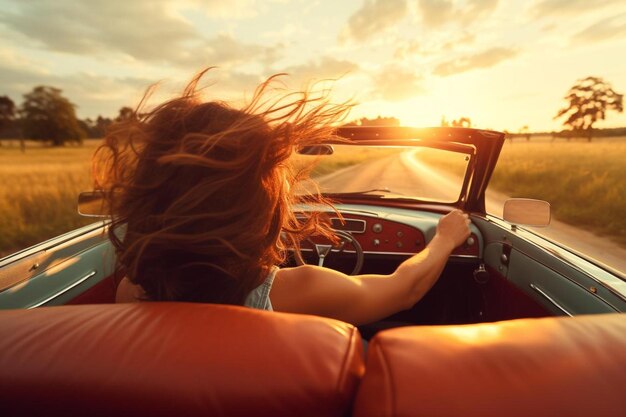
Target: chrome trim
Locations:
point(95, 228)
point(392, 253)
point(64, 290)
point(547, 297)
point(464, 256)
point(386, 253)
point(356, 212)
point(366, 252)
point(360, 212)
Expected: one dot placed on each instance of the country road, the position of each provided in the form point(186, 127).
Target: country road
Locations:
point(401, 173)
point(404, 173)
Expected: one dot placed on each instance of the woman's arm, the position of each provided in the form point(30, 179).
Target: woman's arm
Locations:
point(366, 298)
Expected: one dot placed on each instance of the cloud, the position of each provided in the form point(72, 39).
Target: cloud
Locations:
point(93, 94)
point(476, 9)
point(608, 28)
point(96, 94)
point(230, 86)
point(485, 59)
point(323, 68)
point(394, 83)
point(465, 39)
point(437, 13)
point(373, 17)
point(406, 50)
point(226, 50)
point(568, 7)
point(142, 29)
point(233, 9)
point(146, 30)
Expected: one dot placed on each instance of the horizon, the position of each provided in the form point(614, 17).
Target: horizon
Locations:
point(502, 64)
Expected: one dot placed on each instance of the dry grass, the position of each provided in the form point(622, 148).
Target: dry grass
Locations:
point(584, 182)
point(39, 192)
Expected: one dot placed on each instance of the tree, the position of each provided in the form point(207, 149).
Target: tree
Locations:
point(524, 131)
point(462, 122)
point(7, 112)
point(47, 115)
point(102, 124)
point(126, 113)
point(7, 120)
point(88, 126)
point(378, 121)
point(588, 101)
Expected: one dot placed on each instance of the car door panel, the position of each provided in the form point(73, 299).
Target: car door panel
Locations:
point(547, 273)
point(66, 269)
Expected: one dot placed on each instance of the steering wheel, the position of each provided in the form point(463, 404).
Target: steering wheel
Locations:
point(323, 250)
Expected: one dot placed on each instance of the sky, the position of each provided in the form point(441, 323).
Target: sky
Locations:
point(503, 63)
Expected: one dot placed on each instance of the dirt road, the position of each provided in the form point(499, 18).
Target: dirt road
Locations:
point(404, 173)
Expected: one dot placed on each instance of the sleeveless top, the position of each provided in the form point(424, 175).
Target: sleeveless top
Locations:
point(259, 297)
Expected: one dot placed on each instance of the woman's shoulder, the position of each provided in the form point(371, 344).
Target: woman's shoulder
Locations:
point(295, 272)
point(127, 292)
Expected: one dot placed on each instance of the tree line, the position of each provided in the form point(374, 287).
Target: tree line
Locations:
point(46, 115)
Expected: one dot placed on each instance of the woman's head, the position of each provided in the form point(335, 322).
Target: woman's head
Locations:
point(205, 191)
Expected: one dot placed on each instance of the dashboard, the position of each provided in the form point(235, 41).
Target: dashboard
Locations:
point(394, 231)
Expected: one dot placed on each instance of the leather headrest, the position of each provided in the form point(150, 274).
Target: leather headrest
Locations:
point(531, 368)
point(154, 359)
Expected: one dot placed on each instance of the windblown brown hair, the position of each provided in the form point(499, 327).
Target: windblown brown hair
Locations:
point(200, 209)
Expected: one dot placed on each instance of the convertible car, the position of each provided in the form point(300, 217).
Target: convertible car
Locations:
point(516, 324)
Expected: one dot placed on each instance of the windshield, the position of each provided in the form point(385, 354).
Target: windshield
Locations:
point(421, 173)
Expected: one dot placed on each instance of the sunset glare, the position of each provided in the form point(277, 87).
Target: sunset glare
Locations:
point(504, 64)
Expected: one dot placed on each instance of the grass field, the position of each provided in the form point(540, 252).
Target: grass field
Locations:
point(39, 192)
point(584, 182)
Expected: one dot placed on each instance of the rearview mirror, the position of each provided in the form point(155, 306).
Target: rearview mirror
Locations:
point(316, 150)
point(92, 204)
point(527, 212)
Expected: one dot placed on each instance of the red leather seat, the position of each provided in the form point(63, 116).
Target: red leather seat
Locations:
point(530, 368)
point(156, 359)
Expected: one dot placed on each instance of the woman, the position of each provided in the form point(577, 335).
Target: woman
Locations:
point(201, 197)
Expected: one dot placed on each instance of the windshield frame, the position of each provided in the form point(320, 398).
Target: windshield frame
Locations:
point(488, 144)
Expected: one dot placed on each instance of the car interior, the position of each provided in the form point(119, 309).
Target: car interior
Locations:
point(493, 336)
point(477, 344)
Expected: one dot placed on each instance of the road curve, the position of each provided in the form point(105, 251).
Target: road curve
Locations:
point(404, 173)
point(401, 173)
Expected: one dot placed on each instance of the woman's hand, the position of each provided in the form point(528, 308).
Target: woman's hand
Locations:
point(454, 228)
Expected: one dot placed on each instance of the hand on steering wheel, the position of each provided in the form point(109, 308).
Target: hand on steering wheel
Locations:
point(323, 250)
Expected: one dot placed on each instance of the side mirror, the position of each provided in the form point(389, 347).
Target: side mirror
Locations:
point(92, 204)
point(527, 212)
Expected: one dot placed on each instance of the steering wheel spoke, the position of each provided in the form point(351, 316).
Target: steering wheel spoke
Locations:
point(325, 250)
